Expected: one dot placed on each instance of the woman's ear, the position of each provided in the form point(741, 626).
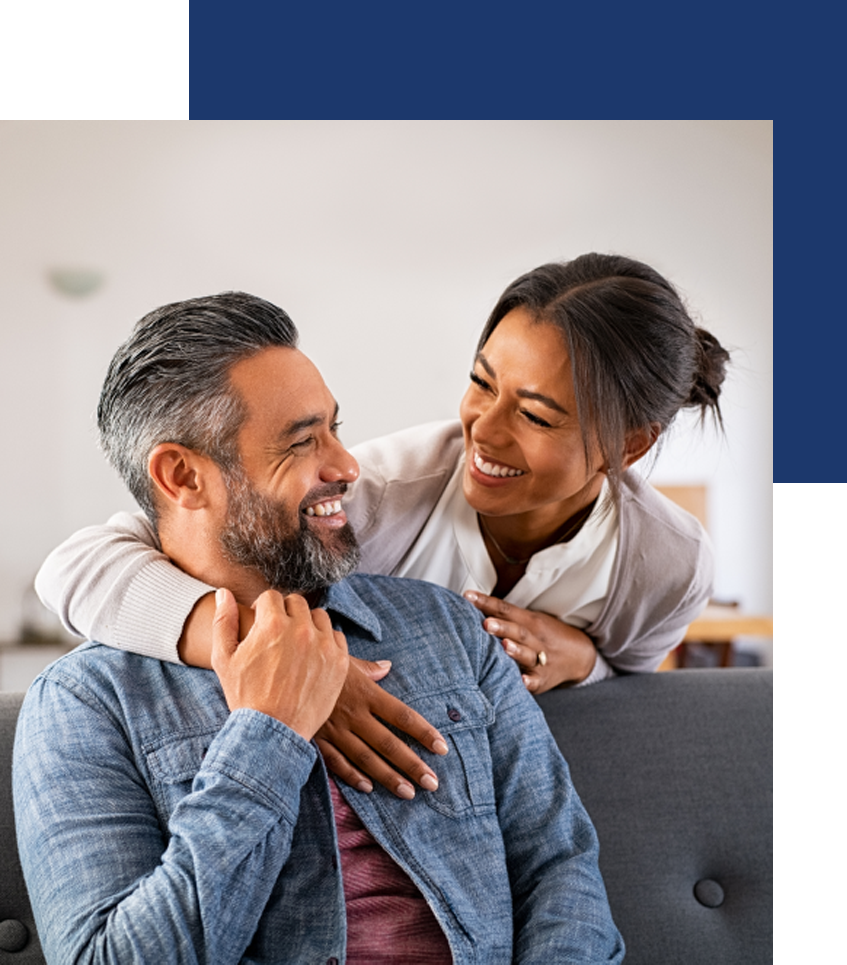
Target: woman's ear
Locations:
point(639, 442)
point(181, 475)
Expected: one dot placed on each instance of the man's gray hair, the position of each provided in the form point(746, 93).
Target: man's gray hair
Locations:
point(169, 382)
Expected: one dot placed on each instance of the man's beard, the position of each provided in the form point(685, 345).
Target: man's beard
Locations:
point(258, 534)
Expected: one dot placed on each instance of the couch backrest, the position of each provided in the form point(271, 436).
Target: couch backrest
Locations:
point(18, 938)
point(675, 769)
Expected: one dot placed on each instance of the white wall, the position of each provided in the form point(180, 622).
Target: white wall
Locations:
point(388, 242)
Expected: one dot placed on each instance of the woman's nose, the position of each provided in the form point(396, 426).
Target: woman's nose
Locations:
point(489, 425)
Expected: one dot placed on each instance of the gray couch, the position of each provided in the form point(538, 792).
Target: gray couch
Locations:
point(676, 771)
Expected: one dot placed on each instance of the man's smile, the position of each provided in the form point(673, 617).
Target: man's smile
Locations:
point(330, 507)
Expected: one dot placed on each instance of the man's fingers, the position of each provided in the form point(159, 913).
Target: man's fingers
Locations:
point(224, 625)
point(270, 610)
point(320, 618)
point(296, 605)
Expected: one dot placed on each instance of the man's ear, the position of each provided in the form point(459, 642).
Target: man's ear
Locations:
point(182, 476)
point(639, 442)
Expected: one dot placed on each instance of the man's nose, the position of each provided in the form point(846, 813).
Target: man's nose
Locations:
point(340, 467)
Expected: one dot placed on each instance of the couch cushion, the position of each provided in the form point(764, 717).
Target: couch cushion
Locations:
point(675, 770)
point(18, 938)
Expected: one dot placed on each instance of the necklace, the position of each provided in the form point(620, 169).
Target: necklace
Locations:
point(579, 519)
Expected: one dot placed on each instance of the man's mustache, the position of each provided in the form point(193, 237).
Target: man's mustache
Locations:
point(329, 491)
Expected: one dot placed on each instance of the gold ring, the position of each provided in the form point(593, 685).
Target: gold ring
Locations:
point(541, 658)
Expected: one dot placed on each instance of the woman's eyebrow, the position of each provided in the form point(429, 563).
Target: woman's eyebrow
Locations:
point(483, 361)
point(544, 399)
point(523, 393)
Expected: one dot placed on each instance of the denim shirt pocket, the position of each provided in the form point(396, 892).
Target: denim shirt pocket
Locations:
point(172, 764)
point(465, 773)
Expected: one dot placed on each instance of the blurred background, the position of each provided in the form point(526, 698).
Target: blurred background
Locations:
point(388, 242)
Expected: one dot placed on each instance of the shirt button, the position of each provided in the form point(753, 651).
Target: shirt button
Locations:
point(454, 714)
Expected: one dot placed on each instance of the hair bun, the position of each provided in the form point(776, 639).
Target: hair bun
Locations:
point(709, 374)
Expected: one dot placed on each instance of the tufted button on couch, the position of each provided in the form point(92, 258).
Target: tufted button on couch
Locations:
point(676, 771)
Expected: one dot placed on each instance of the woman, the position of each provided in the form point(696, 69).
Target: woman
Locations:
point(527, 505)
point(579, 370)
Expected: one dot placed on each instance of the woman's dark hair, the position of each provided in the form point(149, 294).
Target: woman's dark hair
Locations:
point(637, 357)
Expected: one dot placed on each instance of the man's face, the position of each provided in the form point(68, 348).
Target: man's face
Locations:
point(284, 515)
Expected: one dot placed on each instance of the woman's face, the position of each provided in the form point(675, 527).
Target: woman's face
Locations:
point(524, 448)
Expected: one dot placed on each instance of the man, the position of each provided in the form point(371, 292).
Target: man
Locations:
point(172, 814)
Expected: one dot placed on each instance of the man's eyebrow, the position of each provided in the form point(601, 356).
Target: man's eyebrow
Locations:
point(307, 422)
point(523, 393)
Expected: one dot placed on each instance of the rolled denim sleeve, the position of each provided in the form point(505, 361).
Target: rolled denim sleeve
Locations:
point(561, 910)
point(108, 882)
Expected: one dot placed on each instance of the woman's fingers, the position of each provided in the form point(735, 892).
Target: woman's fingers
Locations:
point(356, 729)
point(341, 767)
point(548, 651)
point(525, 657)
point(361, 753)
point(491, 606)
point(375, 669)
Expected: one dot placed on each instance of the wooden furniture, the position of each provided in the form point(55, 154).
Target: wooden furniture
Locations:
point(720, 623)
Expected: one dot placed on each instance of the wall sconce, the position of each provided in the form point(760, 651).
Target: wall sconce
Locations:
point(76, 282)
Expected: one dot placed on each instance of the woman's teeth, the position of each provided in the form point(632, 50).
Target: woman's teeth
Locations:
point(324, 509)
point(490, 469)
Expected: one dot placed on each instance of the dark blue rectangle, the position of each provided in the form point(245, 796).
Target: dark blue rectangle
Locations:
point(471, 60)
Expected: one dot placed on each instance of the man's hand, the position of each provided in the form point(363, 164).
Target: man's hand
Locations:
point(356, 735)
point(291, 665)
point(568, 653)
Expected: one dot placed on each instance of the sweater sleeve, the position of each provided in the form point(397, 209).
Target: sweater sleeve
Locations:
point(402, 476)
point(663, 578)
point(113, 584)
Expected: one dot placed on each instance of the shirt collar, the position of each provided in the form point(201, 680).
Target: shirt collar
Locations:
point(342, 599)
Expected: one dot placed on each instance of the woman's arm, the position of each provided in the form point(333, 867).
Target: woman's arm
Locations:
point(112, 584)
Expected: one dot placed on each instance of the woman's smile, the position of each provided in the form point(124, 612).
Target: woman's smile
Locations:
point(525, 453)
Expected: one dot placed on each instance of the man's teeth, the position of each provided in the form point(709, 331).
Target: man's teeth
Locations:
point(490, 469)
point(324, 509)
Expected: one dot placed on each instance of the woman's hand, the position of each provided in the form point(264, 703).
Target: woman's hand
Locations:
point(355, 742)
point(354, 734)
point(549, 652)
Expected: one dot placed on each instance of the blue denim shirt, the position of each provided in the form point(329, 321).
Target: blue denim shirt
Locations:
point(156, 826)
